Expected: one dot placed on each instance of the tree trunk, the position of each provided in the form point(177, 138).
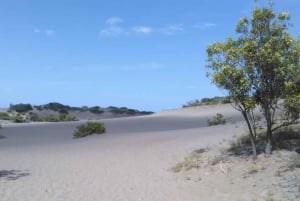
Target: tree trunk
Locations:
point(252, 138)
point(268, 148)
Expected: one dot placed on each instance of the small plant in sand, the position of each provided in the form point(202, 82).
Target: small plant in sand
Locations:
point(4, 116)
point(294, 161)
point(17, 118)
point(216, 120)
point(88, 129)
point(189, 162)
point(252, 169)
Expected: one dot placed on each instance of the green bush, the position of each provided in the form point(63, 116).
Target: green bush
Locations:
point(88, 129)
point(57, 107)
point(35, 117)
point(52, 118)
point(17, 118)
point(59, 118)
point(208, 101)
point(218, 119)
point(21, 108)
point(4, 116)
point(95, 110)
point(65, 117)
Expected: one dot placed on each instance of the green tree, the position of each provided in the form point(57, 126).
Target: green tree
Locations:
point(259, 67)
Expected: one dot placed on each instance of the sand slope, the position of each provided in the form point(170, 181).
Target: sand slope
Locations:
point(131, 161)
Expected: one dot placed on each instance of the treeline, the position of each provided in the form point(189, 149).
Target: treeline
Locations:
point(34, 113)
point(65, 109)
point(208, 101)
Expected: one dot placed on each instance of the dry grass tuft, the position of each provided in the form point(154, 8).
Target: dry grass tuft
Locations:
point(189, 162)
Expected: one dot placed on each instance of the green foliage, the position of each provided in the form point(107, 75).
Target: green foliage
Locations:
point(88, 129)
point(124, 110)
point(58, 107)
point(259, 67)
point(208, 101)
point(20, 108)
point(17, 118)
point(95, 110)
point(35, 117)
point(192, 161)
point(4, 116)
point(64, 117)
point(216, 120)
point(59, 118)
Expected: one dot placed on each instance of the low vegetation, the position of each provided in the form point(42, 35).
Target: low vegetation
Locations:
point(286, 138)
point(59, 118)
point(216, 120)
point(126, 111)
point(189, 162)
point(88, 129)
point(20, 108)
point(4, 116)
point(95, 110)
point(57, 112)
point(208, 101)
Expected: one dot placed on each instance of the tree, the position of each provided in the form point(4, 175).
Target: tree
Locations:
point(259, 67)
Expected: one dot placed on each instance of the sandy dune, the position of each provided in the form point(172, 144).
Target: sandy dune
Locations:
point(131, 161)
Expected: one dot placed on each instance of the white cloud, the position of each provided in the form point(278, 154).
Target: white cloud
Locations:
point(113, 20)
point(112, 31)
point(49, 32)
point(143, 29)
point(172, 29)
point(36, 30)
point(46, 32)
point(204, 25)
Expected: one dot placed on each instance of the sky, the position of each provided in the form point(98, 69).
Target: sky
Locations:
point(142, 54)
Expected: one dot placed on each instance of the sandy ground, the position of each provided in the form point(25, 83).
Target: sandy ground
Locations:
point(132, 161)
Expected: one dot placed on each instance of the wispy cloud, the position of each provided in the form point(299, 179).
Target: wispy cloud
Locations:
point(114, 27)
point(36, 30)
point(172, 29)
point(113, 21)
point(46, 32)
point(143, 29)
point(50, 32)
point(112, 31)
point(206, 25)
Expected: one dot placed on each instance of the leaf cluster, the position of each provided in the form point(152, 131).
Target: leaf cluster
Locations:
point(88, 129)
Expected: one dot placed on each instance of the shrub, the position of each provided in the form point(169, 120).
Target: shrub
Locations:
point(35, 117)
point(95, 110)
point(17, 118)
point(4, 116)
point(192, 161)
point(218, 119)
point(60, 118)
point(52, 118)
point(65, 117)
point(88, 129)
point(57, 107)
point(21, 108)
point(208, 101)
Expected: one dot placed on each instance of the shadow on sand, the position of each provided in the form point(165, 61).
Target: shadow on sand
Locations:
point(13, 174)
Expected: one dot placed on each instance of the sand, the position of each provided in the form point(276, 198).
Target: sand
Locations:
point(132, 161)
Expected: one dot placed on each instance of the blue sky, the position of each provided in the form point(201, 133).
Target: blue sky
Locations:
point(143, 54)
